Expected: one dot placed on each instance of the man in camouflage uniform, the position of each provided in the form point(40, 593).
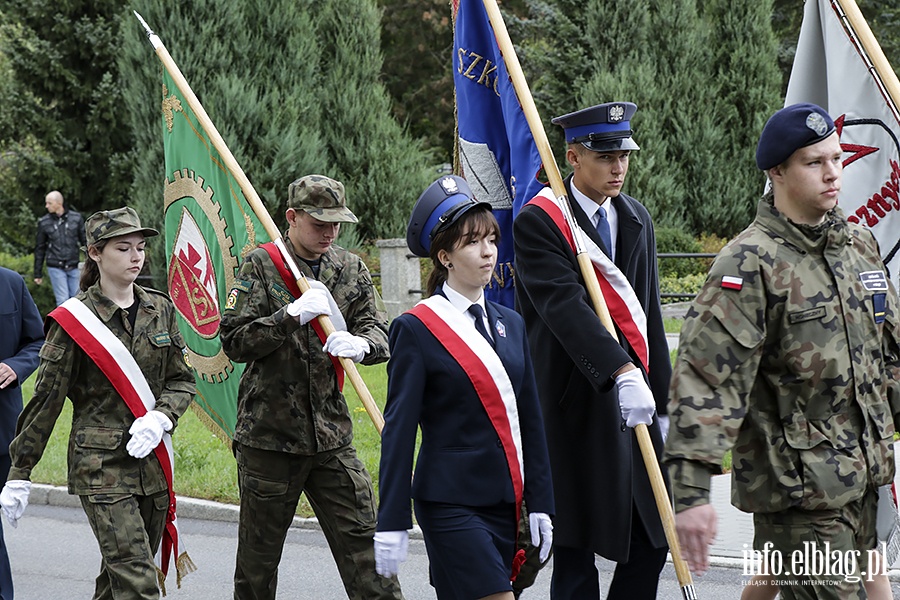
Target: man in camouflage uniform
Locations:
point(294, 431)
point(789, 357)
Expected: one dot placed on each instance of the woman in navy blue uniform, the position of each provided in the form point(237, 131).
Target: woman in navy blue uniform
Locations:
point(461, 370)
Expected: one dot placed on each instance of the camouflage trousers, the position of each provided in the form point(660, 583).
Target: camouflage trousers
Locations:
point(819, 554)
point(128, 529)
point(340, 491)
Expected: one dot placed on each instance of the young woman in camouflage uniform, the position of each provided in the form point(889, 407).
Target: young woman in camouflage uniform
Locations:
point(112, 466)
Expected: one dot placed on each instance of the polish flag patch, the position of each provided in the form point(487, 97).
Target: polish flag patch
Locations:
point(732, 283)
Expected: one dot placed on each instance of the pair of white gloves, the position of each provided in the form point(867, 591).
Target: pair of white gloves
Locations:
point(146, 433)
point(636, 401)
point(317, 301)
point(391, 546)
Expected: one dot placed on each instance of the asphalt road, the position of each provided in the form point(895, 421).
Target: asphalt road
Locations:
point(54, 556)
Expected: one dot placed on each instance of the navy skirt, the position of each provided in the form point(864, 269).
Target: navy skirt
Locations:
point(470, 548)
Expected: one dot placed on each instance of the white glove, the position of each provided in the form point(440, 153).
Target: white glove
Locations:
point(635, 398)
point(14, 499)
point(541, 533)
point(390, 551)
point(663, 426)
point(146, 432)
point(346, 345)
point(312, 303)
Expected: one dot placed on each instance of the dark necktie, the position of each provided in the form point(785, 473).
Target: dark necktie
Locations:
point(603, 231)
point(476, 311)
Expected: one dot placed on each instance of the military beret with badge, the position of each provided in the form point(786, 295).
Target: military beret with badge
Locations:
point(789, 129)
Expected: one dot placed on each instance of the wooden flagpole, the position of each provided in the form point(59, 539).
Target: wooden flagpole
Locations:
point(862, 31)
point(590, 277)
point(259, 208)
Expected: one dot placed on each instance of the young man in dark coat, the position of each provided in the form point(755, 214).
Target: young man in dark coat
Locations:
point(595, 387)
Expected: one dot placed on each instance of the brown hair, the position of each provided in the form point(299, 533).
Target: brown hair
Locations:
point(477, 222)
point(91, 272)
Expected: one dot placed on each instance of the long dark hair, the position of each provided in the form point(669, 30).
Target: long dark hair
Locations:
point(475, 223)
point(91, 272)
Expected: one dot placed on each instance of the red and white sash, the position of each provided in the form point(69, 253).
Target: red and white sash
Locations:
point(457, 333)
point(119, 366)
point(624, 307)
point(294, 289)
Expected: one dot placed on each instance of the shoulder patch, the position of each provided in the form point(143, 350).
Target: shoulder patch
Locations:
point(281, 294)
point(242, 286)
point(874, 280)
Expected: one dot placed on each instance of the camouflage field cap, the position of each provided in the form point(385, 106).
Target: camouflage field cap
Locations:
point(107, 224)
point(321, 197)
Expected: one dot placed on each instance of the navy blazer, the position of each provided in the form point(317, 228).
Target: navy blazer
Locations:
point(23, 335)
point(461, 460)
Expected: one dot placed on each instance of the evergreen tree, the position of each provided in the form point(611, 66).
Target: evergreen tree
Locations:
point(293, 89)
point(66, 129)
point(701, 102)
point(657, 56)
point(744, 67)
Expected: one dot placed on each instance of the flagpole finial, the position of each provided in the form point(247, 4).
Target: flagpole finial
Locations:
point(154, 39)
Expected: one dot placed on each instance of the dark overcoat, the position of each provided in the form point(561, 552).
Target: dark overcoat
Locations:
point(20, 341)
point(598, 471)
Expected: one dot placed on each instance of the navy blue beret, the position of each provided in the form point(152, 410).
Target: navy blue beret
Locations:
point(440, 205)
point(791, 128)
point(601, 128)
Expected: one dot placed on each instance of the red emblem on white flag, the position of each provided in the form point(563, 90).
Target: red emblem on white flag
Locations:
point(192, 278)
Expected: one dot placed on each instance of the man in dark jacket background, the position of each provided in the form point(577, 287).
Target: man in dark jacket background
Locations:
point(60, 237)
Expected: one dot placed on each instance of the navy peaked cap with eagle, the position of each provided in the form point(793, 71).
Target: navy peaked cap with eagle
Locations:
point(600, 128)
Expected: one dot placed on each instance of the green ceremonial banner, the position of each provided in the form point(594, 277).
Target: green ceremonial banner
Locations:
point(210, 227)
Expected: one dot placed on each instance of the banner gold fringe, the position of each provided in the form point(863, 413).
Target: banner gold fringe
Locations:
point(183, 566)
point(210, 424)
point(161, 580)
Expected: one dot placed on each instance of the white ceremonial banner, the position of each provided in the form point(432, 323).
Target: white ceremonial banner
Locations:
point(831, 69)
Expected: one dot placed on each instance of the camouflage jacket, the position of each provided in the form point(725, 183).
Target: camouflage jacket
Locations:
point(288, 399)
point(98, 460)
point(792, 360)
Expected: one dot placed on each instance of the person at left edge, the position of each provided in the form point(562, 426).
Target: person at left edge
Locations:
point(294, 433)
point(112, 464)
point(463, 374)
point(22, 337)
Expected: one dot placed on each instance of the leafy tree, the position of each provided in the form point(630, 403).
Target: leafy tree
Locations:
point(417, 41)
point(293, 89)
point(66, 129)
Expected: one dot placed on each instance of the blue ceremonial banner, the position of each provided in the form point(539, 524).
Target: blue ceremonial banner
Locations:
point(497, 153)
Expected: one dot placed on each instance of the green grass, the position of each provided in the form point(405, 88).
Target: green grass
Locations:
point(204, 464)
point(672, 324)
